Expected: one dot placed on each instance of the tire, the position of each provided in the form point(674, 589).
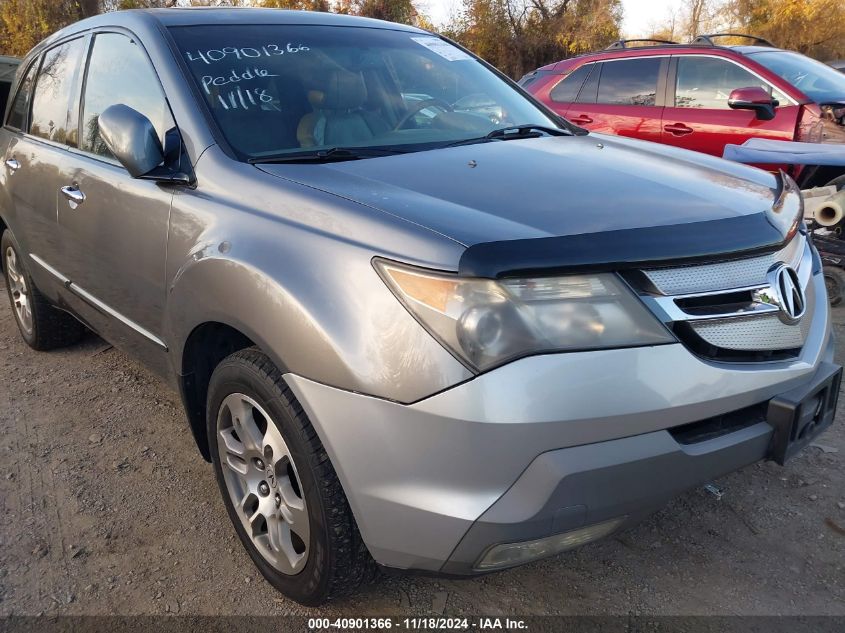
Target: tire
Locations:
point(250, 409)
point(42, 326)
point(834, 281)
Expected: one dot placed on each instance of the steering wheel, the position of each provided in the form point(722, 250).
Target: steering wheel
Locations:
point(418, 107)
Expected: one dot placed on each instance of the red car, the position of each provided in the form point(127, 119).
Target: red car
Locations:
point(699, 96)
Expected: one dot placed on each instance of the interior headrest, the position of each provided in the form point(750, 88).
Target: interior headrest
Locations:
point(339, 90)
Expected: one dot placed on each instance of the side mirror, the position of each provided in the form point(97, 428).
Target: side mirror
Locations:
point(131, 137)
point(753, 98)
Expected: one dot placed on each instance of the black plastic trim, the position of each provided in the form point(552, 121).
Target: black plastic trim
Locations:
point(650, 247)
point(719, 425)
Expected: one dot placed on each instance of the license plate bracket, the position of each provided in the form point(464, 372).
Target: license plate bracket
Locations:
point(800, 415)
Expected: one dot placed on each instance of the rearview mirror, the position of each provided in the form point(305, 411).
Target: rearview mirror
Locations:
point(753, 98)
point(131, 137)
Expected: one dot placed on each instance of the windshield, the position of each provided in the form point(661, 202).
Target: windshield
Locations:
point(276, 89)
point(818, 81)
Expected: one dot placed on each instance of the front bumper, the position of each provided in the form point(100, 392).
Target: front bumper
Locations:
point(542, 445)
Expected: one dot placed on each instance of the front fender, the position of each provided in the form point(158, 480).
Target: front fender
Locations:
point(313, 303)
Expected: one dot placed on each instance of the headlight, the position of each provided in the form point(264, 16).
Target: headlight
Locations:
point(487, 322)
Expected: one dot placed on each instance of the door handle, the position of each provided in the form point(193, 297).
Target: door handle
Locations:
point(13, 165)
point(581, 119)
point(73, 195)
point(678, 129)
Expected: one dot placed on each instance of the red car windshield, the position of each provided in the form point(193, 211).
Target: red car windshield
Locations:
point(818, 81)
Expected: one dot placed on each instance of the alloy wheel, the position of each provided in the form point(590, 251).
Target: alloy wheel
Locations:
point(263, 483)
point(19, 291)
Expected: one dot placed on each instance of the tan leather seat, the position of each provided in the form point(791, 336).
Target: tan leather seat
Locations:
point(338, 118)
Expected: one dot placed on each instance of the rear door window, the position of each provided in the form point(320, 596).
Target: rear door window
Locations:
point(20, 106)
point(629, 82)
point(590, 90)
point(707, 82)
point(567, 89)
point(54, 89)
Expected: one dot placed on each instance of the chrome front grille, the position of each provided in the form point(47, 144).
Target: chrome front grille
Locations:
point(751, 334)
point(716, 310)
point(740, 273)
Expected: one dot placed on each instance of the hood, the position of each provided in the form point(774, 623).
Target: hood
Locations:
point(567, 203)
point(544, 187)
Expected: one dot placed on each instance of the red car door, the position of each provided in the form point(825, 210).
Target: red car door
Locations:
point(623, 97)
point(697, 115)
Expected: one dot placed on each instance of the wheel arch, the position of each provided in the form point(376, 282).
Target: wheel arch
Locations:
point(206, 322)
point(206, 346)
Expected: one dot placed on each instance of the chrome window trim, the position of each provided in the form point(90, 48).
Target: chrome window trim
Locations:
point(735, 63)
point(96, 303)
point(696, 54)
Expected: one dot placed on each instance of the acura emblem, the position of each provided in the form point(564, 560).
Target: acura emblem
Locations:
point(786, 293)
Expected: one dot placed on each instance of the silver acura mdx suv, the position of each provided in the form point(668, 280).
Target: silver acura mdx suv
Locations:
point(416, 319)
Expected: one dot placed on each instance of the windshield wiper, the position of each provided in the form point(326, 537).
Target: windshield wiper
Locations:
point(327, 155)
point(529, 130)
point(513, 132)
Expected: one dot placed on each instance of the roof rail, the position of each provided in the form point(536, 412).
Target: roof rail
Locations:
point(624, 43)
point(707, 40)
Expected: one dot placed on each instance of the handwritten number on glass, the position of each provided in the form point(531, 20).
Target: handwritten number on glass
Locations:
point(215, 55)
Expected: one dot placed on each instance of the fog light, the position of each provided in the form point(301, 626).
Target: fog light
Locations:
point(510, 554)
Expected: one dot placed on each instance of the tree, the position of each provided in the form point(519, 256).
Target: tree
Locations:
point(519, 35)
point(812, 27)
point(302, 5)
point(25, 22)
point(404, 11)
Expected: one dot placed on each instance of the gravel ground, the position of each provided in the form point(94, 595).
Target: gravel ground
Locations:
point(107, 508)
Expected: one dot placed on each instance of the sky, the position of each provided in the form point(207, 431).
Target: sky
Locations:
point(639, 14)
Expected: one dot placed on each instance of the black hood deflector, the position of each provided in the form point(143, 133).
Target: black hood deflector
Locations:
point(650, 247)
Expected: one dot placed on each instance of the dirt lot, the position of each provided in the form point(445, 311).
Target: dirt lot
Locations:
point(107, 508)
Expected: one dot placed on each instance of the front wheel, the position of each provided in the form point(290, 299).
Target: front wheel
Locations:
point(280, 489)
